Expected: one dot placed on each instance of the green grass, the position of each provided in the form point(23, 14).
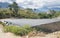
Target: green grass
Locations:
point(24, 30)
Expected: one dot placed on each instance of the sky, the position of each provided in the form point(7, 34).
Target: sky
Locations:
point(36, 3)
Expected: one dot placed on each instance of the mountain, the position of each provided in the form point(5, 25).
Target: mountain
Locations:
point(4, 4)
point(43, 9)
point(55, 8)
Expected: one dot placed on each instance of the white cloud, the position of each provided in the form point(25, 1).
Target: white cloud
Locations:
point(39, 3)
point(36, 3)
point(31, 3)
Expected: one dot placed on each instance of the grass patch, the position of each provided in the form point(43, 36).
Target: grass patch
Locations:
point(24, 30)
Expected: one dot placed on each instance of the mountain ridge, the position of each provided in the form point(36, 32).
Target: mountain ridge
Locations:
point(5, 5)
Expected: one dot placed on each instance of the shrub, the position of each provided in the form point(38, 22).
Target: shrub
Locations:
point(0, 22)
point(24, 30)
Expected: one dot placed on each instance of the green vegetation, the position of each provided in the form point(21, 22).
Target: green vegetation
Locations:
point(26, 29)
point(14, 7)
point(51, 14)
point(23, 30)
point(14, 11)
point(0, 22)
point(6, 13)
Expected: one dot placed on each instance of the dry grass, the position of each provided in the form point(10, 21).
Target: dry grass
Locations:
point(35, 33)
point(51, 35)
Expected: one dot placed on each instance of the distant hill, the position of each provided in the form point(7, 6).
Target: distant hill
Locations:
point(46, 9)
point(4, 4)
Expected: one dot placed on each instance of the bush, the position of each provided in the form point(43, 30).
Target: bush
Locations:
point(24, 30)
point(0, 22)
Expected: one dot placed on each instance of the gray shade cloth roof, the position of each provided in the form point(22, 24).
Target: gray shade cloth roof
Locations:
point(32, 22)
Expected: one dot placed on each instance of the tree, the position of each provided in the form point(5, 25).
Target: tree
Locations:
point(29, 10)
point(52, 11)
point(14, 7)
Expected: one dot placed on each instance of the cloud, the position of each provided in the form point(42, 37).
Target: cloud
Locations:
point(36, 3)
point(9, 1)
point(39, 3)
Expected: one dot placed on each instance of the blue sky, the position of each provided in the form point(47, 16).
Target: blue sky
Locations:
point(36, 3)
